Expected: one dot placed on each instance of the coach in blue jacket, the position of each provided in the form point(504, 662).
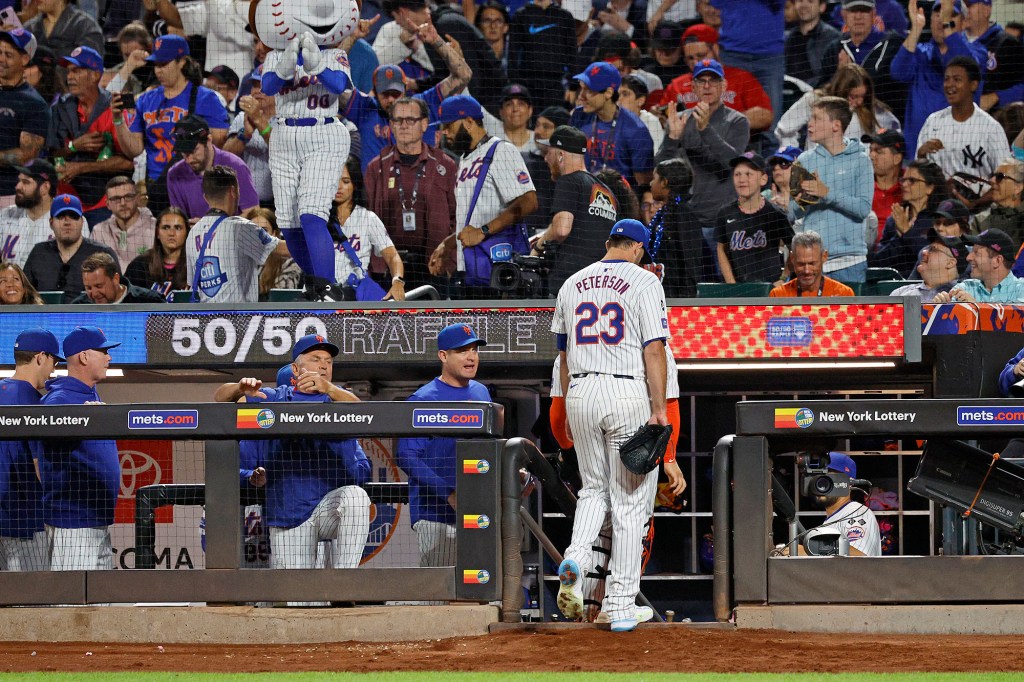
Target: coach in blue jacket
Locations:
point(81, 478)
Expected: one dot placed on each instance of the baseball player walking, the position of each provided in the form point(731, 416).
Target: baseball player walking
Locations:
point(313, 484)
point(610, 323)
point(430, 462)
point(307, 151)
point(22, 537)
point(81, 478)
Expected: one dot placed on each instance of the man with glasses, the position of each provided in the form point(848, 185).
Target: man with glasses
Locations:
point(411, 187)
point(943, 263)
point(1006, 212)
point(616, 137)
point(993, 282)
point(81, 478)
point(130, 230)
point(22, 537)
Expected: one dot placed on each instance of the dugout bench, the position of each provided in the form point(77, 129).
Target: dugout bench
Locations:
point(744, 571)
point(476, 575)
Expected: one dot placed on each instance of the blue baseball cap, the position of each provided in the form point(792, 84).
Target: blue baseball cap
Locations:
point(22, 40)
point(38, 340)
point(458, 107)
point(167, 48)
point(458, 336)
point(85, 57)
point(789, 154)
point(842, 463)
point(708, 66)
point(285, 376)
point(86, 338)
point(66, 203)
point(311, 341)
point(600, 76)
point(633, 229)
point(957, 9)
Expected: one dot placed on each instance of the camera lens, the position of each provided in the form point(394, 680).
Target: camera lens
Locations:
point(823, 485)
point(505, 276)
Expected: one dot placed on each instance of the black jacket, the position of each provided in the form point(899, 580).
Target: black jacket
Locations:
point(135, 295)
point(47, 272)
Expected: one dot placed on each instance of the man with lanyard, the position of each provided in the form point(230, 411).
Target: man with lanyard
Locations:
point(616, 137)
point(411, 187)
point(370, 113)
point(807, 255)
point(493, 192)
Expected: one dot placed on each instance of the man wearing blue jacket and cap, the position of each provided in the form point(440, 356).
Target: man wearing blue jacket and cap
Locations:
point(430, 462)
point(22, 537)
point(81, 478)
point(313, 484)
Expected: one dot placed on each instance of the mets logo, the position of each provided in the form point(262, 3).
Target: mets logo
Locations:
point(523, 178)
point(596, 70)
point(466, 329)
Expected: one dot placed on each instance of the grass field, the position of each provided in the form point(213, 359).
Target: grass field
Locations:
point(516, 677)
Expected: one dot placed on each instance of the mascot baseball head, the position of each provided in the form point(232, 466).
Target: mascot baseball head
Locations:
point(277, 22)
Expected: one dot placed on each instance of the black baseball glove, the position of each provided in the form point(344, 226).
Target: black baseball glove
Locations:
point(643, 451)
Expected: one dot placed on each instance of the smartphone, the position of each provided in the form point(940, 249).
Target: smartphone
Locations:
point(127, 100)
point(9, 17)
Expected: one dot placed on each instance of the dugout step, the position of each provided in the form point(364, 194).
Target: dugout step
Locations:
point(567, 627)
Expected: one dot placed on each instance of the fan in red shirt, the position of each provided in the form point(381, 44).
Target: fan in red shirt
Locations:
point(887, 150)
point(743, 92)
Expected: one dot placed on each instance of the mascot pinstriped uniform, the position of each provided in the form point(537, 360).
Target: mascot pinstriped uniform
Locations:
point(310, 143)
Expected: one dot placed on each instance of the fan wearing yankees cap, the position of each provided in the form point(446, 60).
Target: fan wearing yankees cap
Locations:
point(81, 478)
point(313, 484)
point(22, 538)
point(583, 209)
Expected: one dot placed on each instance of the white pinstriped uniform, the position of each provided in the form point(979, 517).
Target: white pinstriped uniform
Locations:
point(593, 581)
point(233, 259)
point(366, 233)
point(609, 311)
point(306, 161)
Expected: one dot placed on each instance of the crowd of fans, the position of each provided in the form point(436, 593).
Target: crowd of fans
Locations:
point(889, 132)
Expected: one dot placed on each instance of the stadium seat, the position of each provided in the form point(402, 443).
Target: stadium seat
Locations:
point(879, 274)
point(286, 295)
point(181, 296)
point(887, 286)
point(858, 288)
point(52, 296)
point(739, 290)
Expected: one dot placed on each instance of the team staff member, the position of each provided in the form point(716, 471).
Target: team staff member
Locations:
point(313, 484)
point(493, 191)
point(81, 478)
point(583, 208)
point(403, 180)
point(616, 137)
point(430, 462)
point(22, 537)
point(610, 323)
point(227, 251)
point(807, 255)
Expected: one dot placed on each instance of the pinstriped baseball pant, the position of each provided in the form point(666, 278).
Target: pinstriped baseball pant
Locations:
point(603, 412)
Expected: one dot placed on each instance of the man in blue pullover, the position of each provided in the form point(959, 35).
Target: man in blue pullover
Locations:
point(313, 484)
point(843, 184)
point(22, 537)
point(81, 478)
point(430, 462)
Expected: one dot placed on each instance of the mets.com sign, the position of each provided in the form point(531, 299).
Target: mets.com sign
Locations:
point(989, 416)
point(451, 419)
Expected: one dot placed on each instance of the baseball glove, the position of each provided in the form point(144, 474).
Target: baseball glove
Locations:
point(798, 175)
point(643, 451)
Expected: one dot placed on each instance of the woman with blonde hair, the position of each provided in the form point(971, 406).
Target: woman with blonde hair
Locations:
point(15, 289)
point(278, 272)
point(852, 83)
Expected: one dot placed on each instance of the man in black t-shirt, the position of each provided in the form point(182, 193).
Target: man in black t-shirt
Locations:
point(24, 116)
point(750, 231)
point(583, 209)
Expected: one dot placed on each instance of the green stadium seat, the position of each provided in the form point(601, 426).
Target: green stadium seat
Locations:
point(739, 290)
point(879, 274)
point(858, 288)
point(887, 286)
point(286, 295)
point(52, 296)
point(181, 296)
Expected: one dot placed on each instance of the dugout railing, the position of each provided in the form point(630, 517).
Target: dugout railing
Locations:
point(476, 575)
point(745, 571)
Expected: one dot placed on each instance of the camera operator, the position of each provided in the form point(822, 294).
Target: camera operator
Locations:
point(850, 518)
point(583, 209)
